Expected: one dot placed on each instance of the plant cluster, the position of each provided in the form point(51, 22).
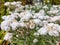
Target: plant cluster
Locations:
point(31, 24)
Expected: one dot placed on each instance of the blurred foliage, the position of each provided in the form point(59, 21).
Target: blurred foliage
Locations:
point(2, 33)
point(56, 2)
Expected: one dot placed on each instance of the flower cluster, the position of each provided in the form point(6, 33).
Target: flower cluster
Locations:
point(51, 29)
point(38, 17)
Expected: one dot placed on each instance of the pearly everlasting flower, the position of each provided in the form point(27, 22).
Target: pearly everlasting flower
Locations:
point(4, 17)
point(22, 24)
point(14, 15)
point(25, 15)
point(5, 25)
point(44, 23)
point(45, 7)
point(35, 41)
point(42, 31)
point(55, 6)
point(53, 11)
point(39, 15)
point(53, 29)
point(31, 24)
point(37, 21)
point(36, 34)
point(6, 28)
point(58, 27)
point(53, 33)
point(42, 12)
point(46, 17)
point(13, 3)
point(7, 4)
point(8, 36)
point(14, 25)
point(54, 19)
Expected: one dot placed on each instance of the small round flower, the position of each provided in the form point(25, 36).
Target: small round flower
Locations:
point(31, 24)
point(36, 34)
point(35, 41)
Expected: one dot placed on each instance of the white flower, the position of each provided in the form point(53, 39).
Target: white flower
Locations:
point(53, 33)
point(45, 7)
point(39, 15)
point(58, 28)
point(42, 31)
point(35, 41)
point(26, 15)
point(37, 21)
point(6, 28)
point(42, 12)
point(53, 19)
point(53, 11)
point(55, 6)
point(14, 15)
point(5, 25)
point(4, 17)
point(14, 25)
point(19, 9)
point(8, 36)
point(17, 35)
point(7, 4)
point(34, 17)
point(22, 24)
point(13, 3)
point(46, 17)
point(18, 2)
point(36, 34)
point(31, 24)
point(45, 23)
point(53, 29)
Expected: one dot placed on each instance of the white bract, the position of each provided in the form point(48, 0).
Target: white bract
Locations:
point(42, 31)
point(8, 36)
point(5, 25)
point(14, 25)
point(37, 21)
